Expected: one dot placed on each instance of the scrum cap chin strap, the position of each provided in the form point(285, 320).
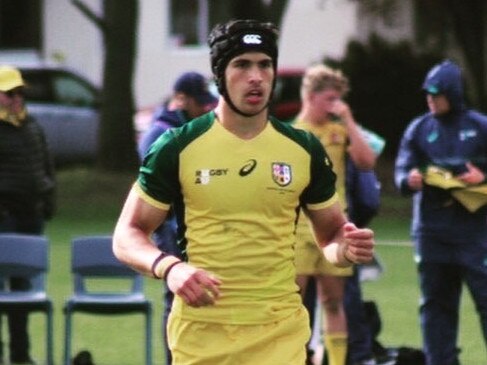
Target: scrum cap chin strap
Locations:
point(231, 39)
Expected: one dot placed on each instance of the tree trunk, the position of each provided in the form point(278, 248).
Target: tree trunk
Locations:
point(117, 138)
point(469, 29)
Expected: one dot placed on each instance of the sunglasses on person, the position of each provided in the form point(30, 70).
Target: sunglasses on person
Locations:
point(14, 92)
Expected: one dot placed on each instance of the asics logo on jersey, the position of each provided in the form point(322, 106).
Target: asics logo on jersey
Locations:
point(248, 167)
point(252, 39)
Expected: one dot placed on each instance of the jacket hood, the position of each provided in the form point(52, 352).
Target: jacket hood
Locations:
point(446, 78)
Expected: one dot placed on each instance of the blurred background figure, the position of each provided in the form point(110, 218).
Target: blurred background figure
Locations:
point(328, 117)
point(27, 187)
point(446, 147)
point(191, 98)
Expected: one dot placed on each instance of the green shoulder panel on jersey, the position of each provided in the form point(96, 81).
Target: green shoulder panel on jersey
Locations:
point(301, 137)
point(304, 138)
point(192, 130)
point(159, 173)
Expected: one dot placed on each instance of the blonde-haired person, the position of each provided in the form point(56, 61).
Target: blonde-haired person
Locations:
point(329, 118)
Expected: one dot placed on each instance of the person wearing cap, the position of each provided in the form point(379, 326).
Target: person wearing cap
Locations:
point(191, 98)
point(236, 178)
point(450, 240)
point(27, 184)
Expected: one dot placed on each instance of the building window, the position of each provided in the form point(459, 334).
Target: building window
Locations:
point(192, 20)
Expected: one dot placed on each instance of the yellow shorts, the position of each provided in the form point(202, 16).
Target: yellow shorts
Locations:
point(309, 260)
point(203, 343)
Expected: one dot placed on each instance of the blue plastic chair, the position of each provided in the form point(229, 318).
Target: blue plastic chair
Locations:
point(26, 256)
point(93, 258)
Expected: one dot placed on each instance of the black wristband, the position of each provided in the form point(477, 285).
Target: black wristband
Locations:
point(154, 264)
point(169, 268)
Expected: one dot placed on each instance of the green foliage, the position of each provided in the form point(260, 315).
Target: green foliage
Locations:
point(385, 80)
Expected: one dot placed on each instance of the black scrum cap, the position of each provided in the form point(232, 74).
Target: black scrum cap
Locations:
point(231, 39)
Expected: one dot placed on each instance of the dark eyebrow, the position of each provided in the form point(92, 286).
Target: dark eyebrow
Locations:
point(266, 62)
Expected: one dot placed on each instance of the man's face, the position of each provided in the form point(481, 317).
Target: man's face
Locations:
point(438, 104)
point(12, 100)
point(249, 78)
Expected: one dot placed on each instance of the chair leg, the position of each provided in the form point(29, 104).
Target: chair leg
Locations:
point(49, 340)
point(148, 337)
point(67, 337)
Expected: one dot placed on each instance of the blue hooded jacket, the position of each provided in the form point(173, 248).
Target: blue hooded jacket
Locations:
point(163, 120)
point(449, 141)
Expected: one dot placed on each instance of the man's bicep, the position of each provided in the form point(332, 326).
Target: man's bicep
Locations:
point(141, 214)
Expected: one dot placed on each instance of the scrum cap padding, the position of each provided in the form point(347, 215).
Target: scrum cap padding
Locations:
point(229, 40)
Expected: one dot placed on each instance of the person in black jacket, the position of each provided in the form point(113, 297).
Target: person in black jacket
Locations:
point(27, 186)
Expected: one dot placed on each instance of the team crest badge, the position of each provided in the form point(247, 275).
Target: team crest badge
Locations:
point(281, 173)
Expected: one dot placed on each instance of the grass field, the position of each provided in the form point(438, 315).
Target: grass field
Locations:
point(89, 203)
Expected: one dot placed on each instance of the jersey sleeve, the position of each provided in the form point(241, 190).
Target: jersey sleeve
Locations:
point(158, 175)
point(321, 190)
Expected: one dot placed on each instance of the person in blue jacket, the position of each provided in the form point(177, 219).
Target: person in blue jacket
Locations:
point(450, 240)
point(190, 99)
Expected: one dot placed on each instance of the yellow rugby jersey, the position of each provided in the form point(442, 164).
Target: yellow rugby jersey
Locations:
point(237, 201)
point(333, 135)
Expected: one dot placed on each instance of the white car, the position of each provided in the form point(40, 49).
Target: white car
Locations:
point(66, 105)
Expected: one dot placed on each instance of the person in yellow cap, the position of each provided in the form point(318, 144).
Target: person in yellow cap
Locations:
point(27, 186)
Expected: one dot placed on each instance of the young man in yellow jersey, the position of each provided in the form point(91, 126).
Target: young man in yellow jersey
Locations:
point(236, 179)
point(330, 119)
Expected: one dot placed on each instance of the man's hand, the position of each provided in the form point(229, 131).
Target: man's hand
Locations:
point(473, 175)
point(415, 180)
point(196, 286)
point(342, 110)
point(359, 244)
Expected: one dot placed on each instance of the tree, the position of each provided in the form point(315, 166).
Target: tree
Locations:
point(456, 29)
point(458, 25)
point(118, 24)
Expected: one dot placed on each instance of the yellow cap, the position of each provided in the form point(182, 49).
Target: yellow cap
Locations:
point(10, 78)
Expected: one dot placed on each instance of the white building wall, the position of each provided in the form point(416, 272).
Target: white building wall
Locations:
point(72, 40)
point(314, 29)
point(310, 30)
point(158, 63)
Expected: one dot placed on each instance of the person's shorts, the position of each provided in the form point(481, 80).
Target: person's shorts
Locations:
point(309, 260)
point(202, 343)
